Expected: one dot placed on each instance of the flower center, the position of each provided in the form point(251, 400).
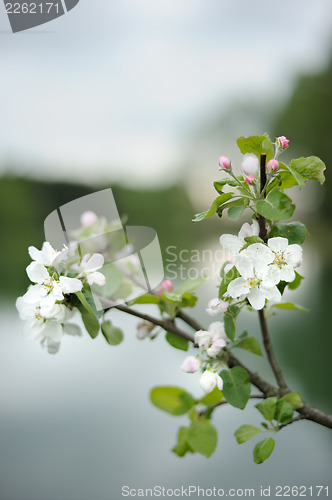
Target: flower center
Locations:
point(279, 259)
point(253, 282)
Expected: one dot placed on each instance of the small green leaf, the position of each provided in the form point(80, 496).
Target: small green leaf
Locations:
point(294, 399)
point(300, 180)
point(202, 437)
point(250, 344)
point(189, 286)
point(146, 299)
point(284, 412)
point(113, 335)
point(268, 408)
point(263, 450)
point(174, 400)
point(177, 342)
point(295, 232)
point(236, 386)
point(214, 207)
point(277, 206)
point(230, 276)
point(212, 397)
point(229, 323)
point(257, 145)
point(219, 185)
point(297, 282)
point(285, 180)
point(114, 279)
point(182, 446)
point(311, 168)
point(246, 432)
point(250, 240)
point(236, 208)
point(290, 305)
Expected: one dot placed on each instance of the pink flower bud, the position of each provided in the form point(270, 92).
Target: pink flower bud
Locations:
point(273, 165)
point(88, 218)
point(144, 329)
point(190, 364)
point(224, 163)
point(250, 179)
point(165, 286)
point(250, 164)
point(282, 142)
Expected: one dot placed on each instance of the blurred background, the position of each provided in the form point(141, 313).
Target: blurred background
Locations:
point(144, 97)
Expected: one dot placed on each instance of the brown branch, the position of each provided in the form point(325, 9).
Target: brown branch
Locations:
point(295, 419)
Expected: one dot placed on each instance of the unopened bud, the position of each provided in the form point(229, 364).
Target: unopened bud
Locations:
point(224, 163)
point(250, 179)
point(272, 165)
point(250, 164)
point(282, 142)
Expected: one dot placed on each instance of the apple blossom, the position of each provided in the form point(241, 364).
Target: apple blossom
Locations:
point(88, 218)
point(224, 163)
point(272, 165)
point(257, 282)
point(285, 257)
point(206, 338)
point(217, 345)
point(88, 269)
point(250, 179)
point(190, 364)
point(282, 142)
point(235, 243)
point(165, 286)
point(144, 329)
point(46, 256)
point(250, 164)
point(216, 306)
point(209, 380)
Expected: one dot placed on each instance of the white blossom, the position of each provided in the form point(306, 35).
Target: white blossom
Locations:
point(250, 164)
point(257, 281)
point(235, 243)
point(190, 364)
point(285, 257)
point(216, 306)
point(206, 339)
point(46, 256)
point(88, 268)
point(209, 380)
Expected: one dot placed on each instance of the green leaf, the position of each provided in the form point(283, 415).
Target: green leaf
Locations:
point(189, 286)
point(113, 335)
point(90, 321)
point(297, 282)
point(229, 323)
point(146, 299)
point(250, 240)
point(250, 344)
point(311, 168)
point(236, 208)
point(285, 180)
point(268, 408)
point(284, 412)
point(177, 342)
point(263, 450)
point(212, 397)
point(257, 145)
point(230, 276)
point(219, 185)
point(174, 400)
point(214, 207)
point(295, 232)
point(246, 432)
point(85, 303)
point(236, 386)
point(290, 305)
point(294, 399)
point(300, 180)
point(277, 206)
point(114, 279)
point(182, 446)
point(202, 437)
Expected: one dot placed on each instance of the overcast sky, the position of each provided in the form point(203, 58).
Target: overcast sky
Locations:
point(111, 90)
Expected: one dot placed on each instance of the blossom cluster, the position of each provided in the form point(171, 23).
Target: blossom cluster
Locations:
point(45, 307)
point(209, 360)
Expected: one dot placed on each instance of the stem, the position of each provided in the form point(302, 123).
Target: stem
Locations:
point(270, 354)
point(260, 218)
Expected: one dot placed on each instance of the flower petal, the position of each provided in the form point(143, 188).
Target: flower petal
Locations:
point(95, 262)
point(271, 293)
point(260, 253)
point(287, 273)
point(238, 287)
point(278, 244)
point(256, 299)
point(293, 255)
point(37, 273)
point(232, 242)
point(70, 285)
point(244, 266)
point(35, 294)
point(96, 278)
